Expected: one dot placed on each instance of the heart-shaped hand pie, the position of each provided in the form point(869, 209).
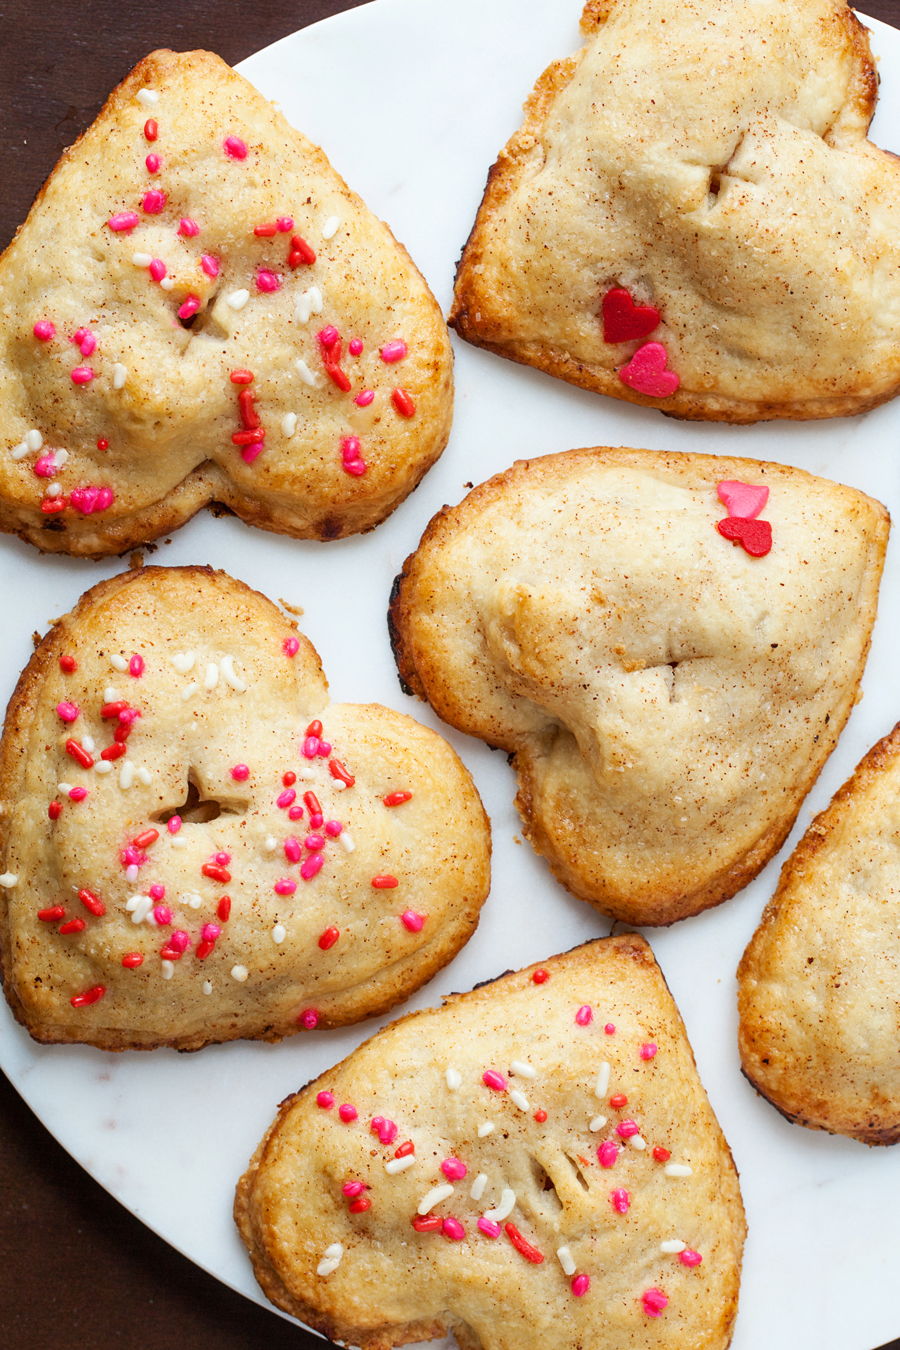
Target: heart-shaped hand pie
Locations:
point(196, 846)
point(668, 700)
point(198, 309)
point(817, 984)
point(532, 1160)
point(712, 157)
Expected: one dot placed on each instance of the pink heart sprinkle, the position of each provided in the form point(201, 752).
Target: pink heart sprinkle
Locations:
point(646, 372)
point(742, 499)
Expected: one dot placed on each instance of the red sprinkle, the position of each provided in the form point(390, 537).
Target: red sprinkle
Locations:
point(314, 729)
point(102, 443)
point(289, 779)
point(610, 1028)
point(151, 129)
point(223, 908)
point(540, 977)
point(216, 873)
point(530, 1253)
point(204, 948)
point(92, 903)
point(110, 710)
point(540, 1116)
point(241, 376)
point(131, 960)
point(618, 1101)
point(301, 252)
point(248, 412)
point(396, 798)
point(51, 505)
point(68, 664)
point(338, 771)
point(89, 996)
point(145, 838)
point(427, 1223)
point(405, 1149)
point(311, 802)
point(79, 754)
point(329, 938)
point(405, 406)
point(113, 751)
point(754, 536)
point(661, 1154)
point(384, 882)
point(54, 810)
point(73, 926)
point(52, 914)
point(265, 231)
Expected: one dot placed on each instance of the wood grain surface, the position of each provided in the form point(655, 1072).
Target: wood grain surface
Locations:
point(77, 1271)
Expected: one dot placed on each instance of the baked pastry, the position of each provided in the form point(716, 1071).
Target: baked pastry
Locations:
point(691, 216)
point(668, 697)
point(817, 985)
point(531, 1161)
point(196, 846)
point(198, 310)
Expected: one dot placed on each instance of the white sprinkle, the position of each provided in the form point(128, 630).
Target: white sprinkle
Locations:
point(348, 843)
point(189, 691)
point(54, 490)
point(237, 299)
point(330, 228)
point(118, 662)
point(518, 1099)
point(485, 1129)
point(270, 843)
point(131, 873)
point(33, 439)
point(315, 296)
point(504, 1209)
point(239, 973)
point(195, 901)
point(566, 1260)
point(523, 1070)
point(434, 1197)
point(399, 1164)
point(64, 787)
point(306, 374)
point(211, 678)
point(167, 284)
point(184, 661)
point(149, 97)
point(597, 1124)
point(120, 375)
point(304, 308)
point(672, 1245)
point(207, 986)
point(168, 969)
point(678, 1170)
point(289, 424)
point(454, 1079)
point(328, 1267)
point(335, 1251)
point(226, 665)
point(144, 776)
point(478, 1186)
point(636, 1141)
point(141, 909)
point(602, 1081)
point(142, 259)
point(8, 879)
point(338, 786)
point(177, 842)
point(88, 743)
point(132, 904)
point(59, 458)
point(126, 777)
point(19, 451)
point(103, 766)
point(279, 933)
point(111, 695)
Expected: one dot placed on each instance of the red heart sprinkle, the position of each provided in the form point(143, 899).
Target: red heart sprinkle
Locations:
point(623, 319)
point(754, 536)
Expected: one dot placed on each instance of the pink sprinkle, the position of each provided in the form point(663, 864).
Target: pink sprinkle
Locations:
point(365, 398)
point(84, 499)
point(311, 747)
point(223, 859)
point(292, 850)
point(453, 1229)
point(489, 1228)
point(654, 1300)
point(610, 1028)
point(311, 866)
point(324, 1100)
point(384, 1128)
point(157, 892)
point(314, 842)
point(209, 264)
point(284, 224)
point(234, 147)
point(189, 228)
point(68, 711)
point(44, 330)
point(88, 344)
point(295, 813)
point(689, 1258)
point(607, 1153)
point(350, 449)
point(356, 346)
point(136, 666)
point(584, 1015)
point(580, 1285)
point(105, 498)
point(152, 162)
point(153, 202)
point(309, 1018)
point(648, 1050)
point(494, 1080)
point(179, 941)
point(334, 828)
point(324, 749)
point(453, 1169)
point(353, 1188)
point(328, 336)
point(189, 308)
point(79, 335)
point(286, 798)
point(82, 375)
point(162, 914)
point(393, 351)
point(125, 220)
point(356, 468)
point(174, 824)
point(620, 1200)
point(45, 467)
point(285, 886)
point(347, 1113)
point(78, 794)
point(290, 646)
point(413, 921)
point(268, 281)
point(315, 820)
point(132, 857)
point(627, 1129)
point(210, 931)
point(240, 773)
point(157, 269)
point(252, 452)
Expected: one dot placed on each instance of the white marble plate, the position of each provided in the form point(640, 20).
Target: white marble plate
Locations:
point(411, 100)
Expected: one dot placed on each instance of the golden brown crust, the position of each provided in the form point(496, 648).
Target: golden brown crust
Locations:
point(667, 701)
point(248, 703)
point(169, 427)
point(393, 1285)
point(817, 985)
point(693, 158)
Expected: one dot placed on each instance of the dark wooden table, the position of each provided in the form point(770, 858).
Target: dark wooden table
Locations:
point(77, 1271)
